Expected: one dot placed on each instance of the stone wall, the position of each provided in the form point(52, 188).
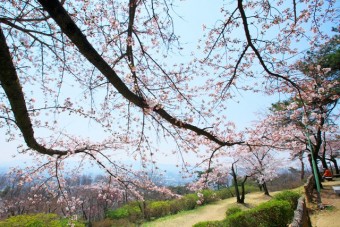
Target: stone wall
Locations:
point(309, 188)
point(301, 216)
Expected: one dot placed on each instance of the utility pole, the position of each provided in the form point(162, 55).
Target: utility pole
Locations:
point(315, 172)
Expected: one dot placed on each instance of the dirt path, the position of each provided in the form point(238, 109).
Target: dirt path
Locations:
point(328, 217)
point(209, 212)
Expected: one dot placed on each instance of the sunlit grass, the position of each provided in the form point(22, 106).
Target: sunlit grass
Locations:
point(198, 210)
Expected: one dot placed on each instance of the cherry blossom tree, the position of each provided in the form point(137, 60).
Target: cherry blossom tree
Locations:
point(214, 178)
point(261, 165)
point(213, 175)
point(287, 135)
point(300, 155)
point(313, 110)
point(116, 65)
point(331, 150)
point(22, 194)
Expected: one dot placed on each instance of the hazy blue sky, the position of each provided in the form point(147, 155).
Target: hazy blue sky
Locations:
point(195, 13)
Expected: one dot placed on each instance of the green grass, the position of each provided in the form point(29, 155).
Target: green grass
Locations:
point(38, 220)
point(174, 216)
point(201, 211)
point(207, 212)
point(329, 208)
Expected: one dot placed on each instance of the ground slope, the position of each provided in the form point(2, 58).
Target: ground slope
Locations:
point(330, 216)
point(209, 212)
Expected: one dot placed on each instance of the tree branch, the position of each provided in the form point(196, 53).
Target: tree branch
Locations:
point(67, 25)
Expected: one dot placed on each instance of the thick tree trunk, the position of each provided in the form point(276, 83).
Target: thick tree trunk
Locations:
point(323, 161)
point(237, 192)
point(302, 175)
point(265, 189)
point(336, 167)
point(242, 194)
point(317, 170)
point(239, 196)
point(243, 191)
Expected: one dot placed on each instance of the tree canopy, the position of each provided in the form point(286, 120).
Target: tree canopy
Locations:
point(118, 65)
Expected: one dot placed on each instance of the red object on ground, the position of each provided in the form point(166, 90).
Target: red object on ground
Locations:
point(327, 173)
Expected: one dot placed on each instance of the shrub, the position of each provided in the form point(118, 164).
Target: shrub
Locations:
point(248, 188)
point(110, 223)
point(38, 220)
point(176, 206)
point(233, 210)
point(225, 193)
point(290, 196)
point(135, 213)
point(118, 213)
point(209, 196)
point(153, 209)
point(209, 224)
point(272, 213)
point(122, 212)
point(189, 201)
point(157, 209)
point(130, 211)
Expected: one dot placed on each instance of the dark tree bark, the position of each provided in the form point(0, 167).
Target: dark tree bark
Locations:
point(68, 26)
point(335, 164)
point(240, 197)
point(302, 176)
point(265, 189)
point(243, 191)
point(317, 170)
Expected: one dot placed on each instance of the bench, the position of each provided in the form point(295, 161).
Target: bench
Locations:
point(336, 190)
point(328, 178)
